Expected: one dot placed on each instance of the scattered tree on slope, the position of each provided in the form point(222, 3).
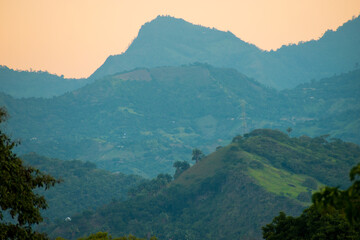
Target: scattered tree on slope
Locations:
point(180, 166)
point(197, 155)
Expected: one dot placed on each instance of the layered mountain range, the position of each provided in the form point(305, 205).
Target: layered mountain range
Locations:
point(179, 87)
point(169, 41)
point(144, 120)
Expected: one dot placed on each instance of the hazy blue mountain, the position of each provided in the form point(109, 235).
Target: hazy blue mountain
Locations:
point(230, 194)
point(328, 106)
point(168, 41)
point(334, 53)
point(143, 120)
point(36, 84)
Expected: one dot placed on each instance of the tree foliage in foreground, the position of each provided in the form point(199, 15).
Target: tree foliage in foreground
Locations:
point(106, 236)
point(334, 215)
point(17, 197)
point(347, 200)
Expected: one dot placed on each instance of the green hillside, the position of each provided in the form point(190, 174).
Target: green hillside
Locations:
point(144, 120)
point(229, 194)
point(83, 186)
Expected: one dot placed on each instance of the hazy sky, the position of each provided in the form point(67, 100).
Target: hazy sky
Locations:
point(74, 37)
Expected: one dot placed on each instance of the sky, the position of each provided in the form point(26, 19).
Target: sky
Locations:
point(74, 37)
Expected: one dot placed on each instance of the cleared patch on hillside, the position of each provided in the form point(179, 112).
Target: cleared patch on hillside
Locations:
point(129, 110)
point(137, 75)
point(279, 181)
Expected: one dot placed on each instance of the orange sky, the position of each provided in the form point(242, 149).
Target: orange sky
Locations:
point(74, 37)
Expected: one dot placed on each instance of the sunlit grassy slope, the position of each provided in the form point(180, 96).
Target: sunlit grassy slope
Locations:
point(280, 164)
point(279, 181)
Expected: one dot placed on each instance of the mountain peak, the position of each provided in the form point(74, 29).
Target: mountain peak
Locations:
point(177, 31)
point(169, 41)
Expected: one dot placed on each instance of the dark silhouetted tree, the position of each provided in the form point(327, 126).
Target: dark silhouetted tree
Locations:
point(347, 200)
point(237, 139)
point(197, 155)
point(180, 166)
point(17, 196)
point(334, 214)
point(106, 236)
point(289, 130)
point(310, 225)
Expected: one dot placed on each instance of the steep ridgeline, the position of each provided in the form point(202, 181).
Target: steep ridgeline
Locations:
point(334, 53)
point(84, 187)
point(229, 194)
point(36, 84)
point(168, 41)
point(144, 120)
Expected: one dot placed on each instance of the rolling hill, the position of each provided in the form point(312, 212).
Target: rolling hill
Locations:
point(229, 194)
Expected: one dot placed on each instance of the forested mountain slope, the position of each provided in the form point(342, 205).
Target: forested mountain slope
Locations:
point(229, 194)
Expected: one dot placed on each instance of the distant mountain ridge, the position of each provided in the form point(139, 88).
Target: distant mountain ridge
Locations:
point(36, 84)
point(168, 41)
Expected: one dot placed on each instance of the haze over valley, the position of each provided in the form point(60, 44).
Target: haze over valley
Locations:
point(193, 133)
